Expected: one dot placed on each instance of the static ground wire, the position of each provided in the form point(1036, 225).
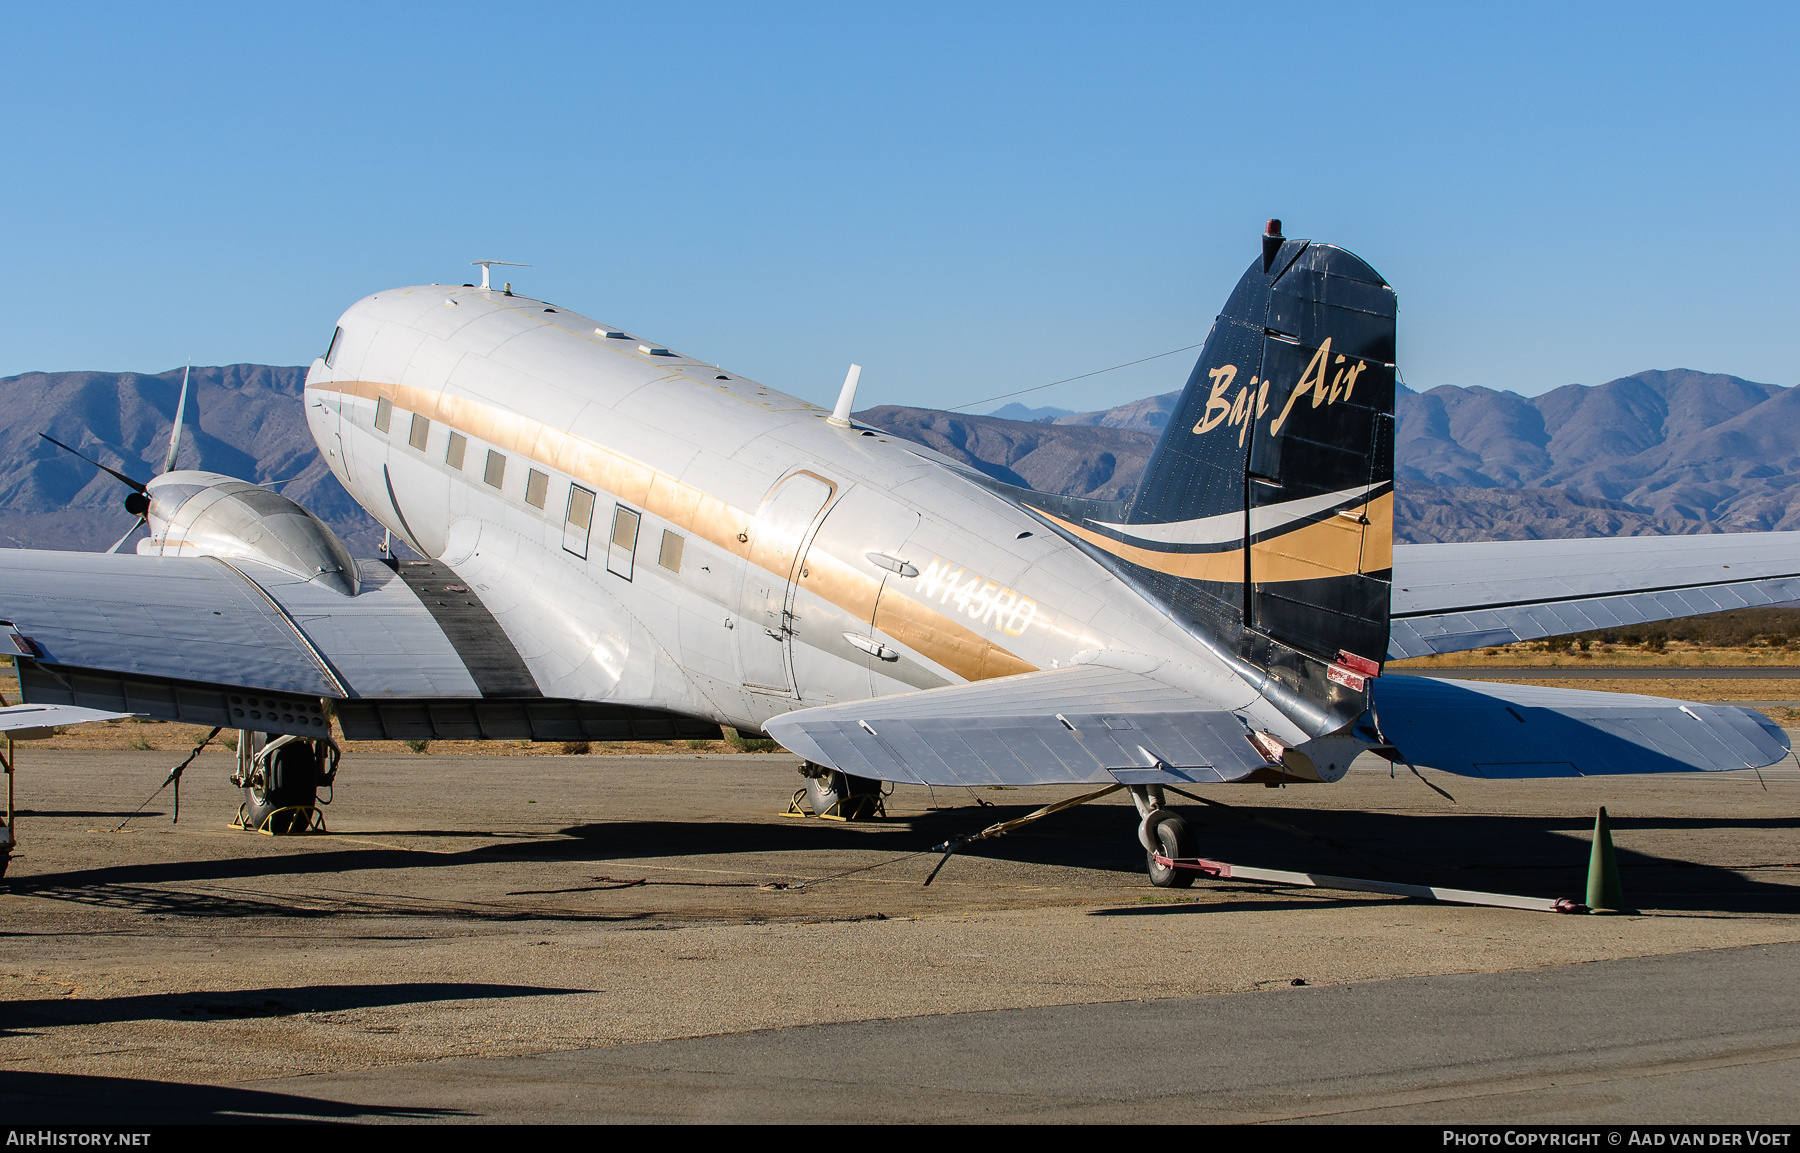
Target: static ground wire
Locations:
point(1072, 379)
point(173, 778)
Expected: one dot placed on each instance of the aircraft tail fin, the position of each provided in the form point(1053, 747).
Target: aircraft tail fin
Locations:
point(1265, 516)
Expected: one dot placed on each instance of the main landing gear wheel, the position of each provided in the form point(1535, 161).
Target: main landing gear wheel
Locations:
point(839, 796)
point(281, 785)
point(1173, 837)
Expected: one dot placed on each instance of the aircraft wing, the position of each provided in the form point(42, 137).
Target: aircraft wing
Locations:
point(207, 620)
point(1452, 597)
point(1078, 724)
point(1484, 729)
point(236, 643)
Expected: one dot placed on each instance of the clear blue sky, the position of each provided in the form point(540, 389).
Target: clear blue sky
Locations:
point(966, 199)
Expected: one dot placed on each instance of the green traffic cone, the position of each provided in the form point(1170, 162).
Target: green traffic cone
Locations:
point(1604, 893)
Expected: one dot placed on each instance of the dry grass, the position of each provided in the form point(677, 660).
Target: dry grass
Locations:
point(1682, 688)
point(1673, 655)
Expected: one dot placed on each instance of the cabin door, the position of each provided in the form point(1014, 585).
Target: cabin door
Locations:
point(777, 539)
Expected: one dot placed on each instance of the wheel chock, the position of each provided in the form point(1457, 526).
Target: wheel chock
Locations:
point(863, 807)
point(297, 821)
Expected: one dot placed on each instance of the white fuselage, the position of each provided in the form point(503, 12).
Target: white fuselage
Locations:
point(652, 530)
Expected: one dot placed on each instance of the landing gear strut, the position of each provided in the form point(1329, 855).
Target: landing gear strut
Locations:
point(281, 780)
point(1162, 832)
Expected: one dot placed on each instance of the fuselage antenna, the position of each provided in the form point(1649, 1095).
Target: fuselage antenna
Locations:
point(485, 264)
point(840, 416)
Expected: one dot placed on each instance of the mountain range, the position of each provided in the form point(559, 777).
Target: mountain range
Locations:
point(243, 420)
point(1656, 453)
point(1659, 452)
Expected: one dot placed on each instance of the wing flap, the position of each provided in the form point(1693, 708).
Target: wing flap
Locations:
point(1065, 726)
point(1507, 731)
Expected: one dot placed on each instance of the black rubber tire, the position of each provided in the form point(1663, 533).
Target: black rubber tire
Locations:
point(839, 788)
point(291, 794)
point(822, 793)
point(1168, 830)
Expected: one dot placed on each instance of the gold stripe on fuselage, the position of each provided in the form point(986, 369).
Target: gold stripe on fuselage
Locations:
point(1333, 547)
point(831, 578)
point(1224, 567)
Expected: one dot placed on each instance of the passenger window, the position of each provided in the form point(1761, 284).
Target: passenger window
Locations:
point(578, 520)
point(384, 413)
point(537, 486)
point(453, 456)
point(623, 549)
point(496, 469)
point(331, 351)
point(421, 429)
point(670, 556)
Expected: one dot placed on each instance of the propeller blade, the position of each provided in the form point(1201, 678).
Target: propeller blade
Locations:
point(121, 541)
point(115, 472)
point(175, 433)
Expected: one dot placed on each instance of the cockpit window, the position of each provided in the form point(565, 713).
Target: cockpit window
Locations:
point(331, 352)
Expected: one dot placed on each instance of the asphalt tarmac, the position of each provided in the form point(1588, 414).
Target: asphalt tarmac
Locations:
point(605, 938)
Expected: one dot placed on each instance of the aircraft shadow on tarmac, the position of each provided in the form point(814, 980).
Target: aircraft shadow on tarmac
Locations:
point(49, 1012)
point(1530, 855)
point(68, 1098)
point(121, 813)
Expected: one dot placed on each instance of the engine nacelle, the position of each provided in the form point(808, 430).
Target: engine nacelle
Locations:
point(207, 514)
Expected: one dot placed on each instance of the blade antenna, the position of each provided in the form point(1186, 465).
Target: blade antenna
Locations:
point(84, 456)
point(486, 264)
point(175, 433)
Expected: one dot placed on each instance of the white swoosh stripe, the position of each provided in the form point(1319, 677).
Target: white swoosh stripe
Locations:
point(1228, 527)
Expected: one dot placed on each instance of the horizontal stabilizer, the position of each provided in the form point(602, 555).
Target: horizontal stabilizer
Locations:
point(31, 722)
point(1502, 731)
point(1063, 726)
point(1453, 597)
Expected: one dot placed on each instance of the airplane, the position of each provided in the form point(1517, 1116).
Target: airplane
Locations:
point(622, 541)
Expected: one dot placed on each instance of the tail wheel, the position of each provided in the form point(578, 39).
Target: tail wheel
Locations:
point(1176, 840)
